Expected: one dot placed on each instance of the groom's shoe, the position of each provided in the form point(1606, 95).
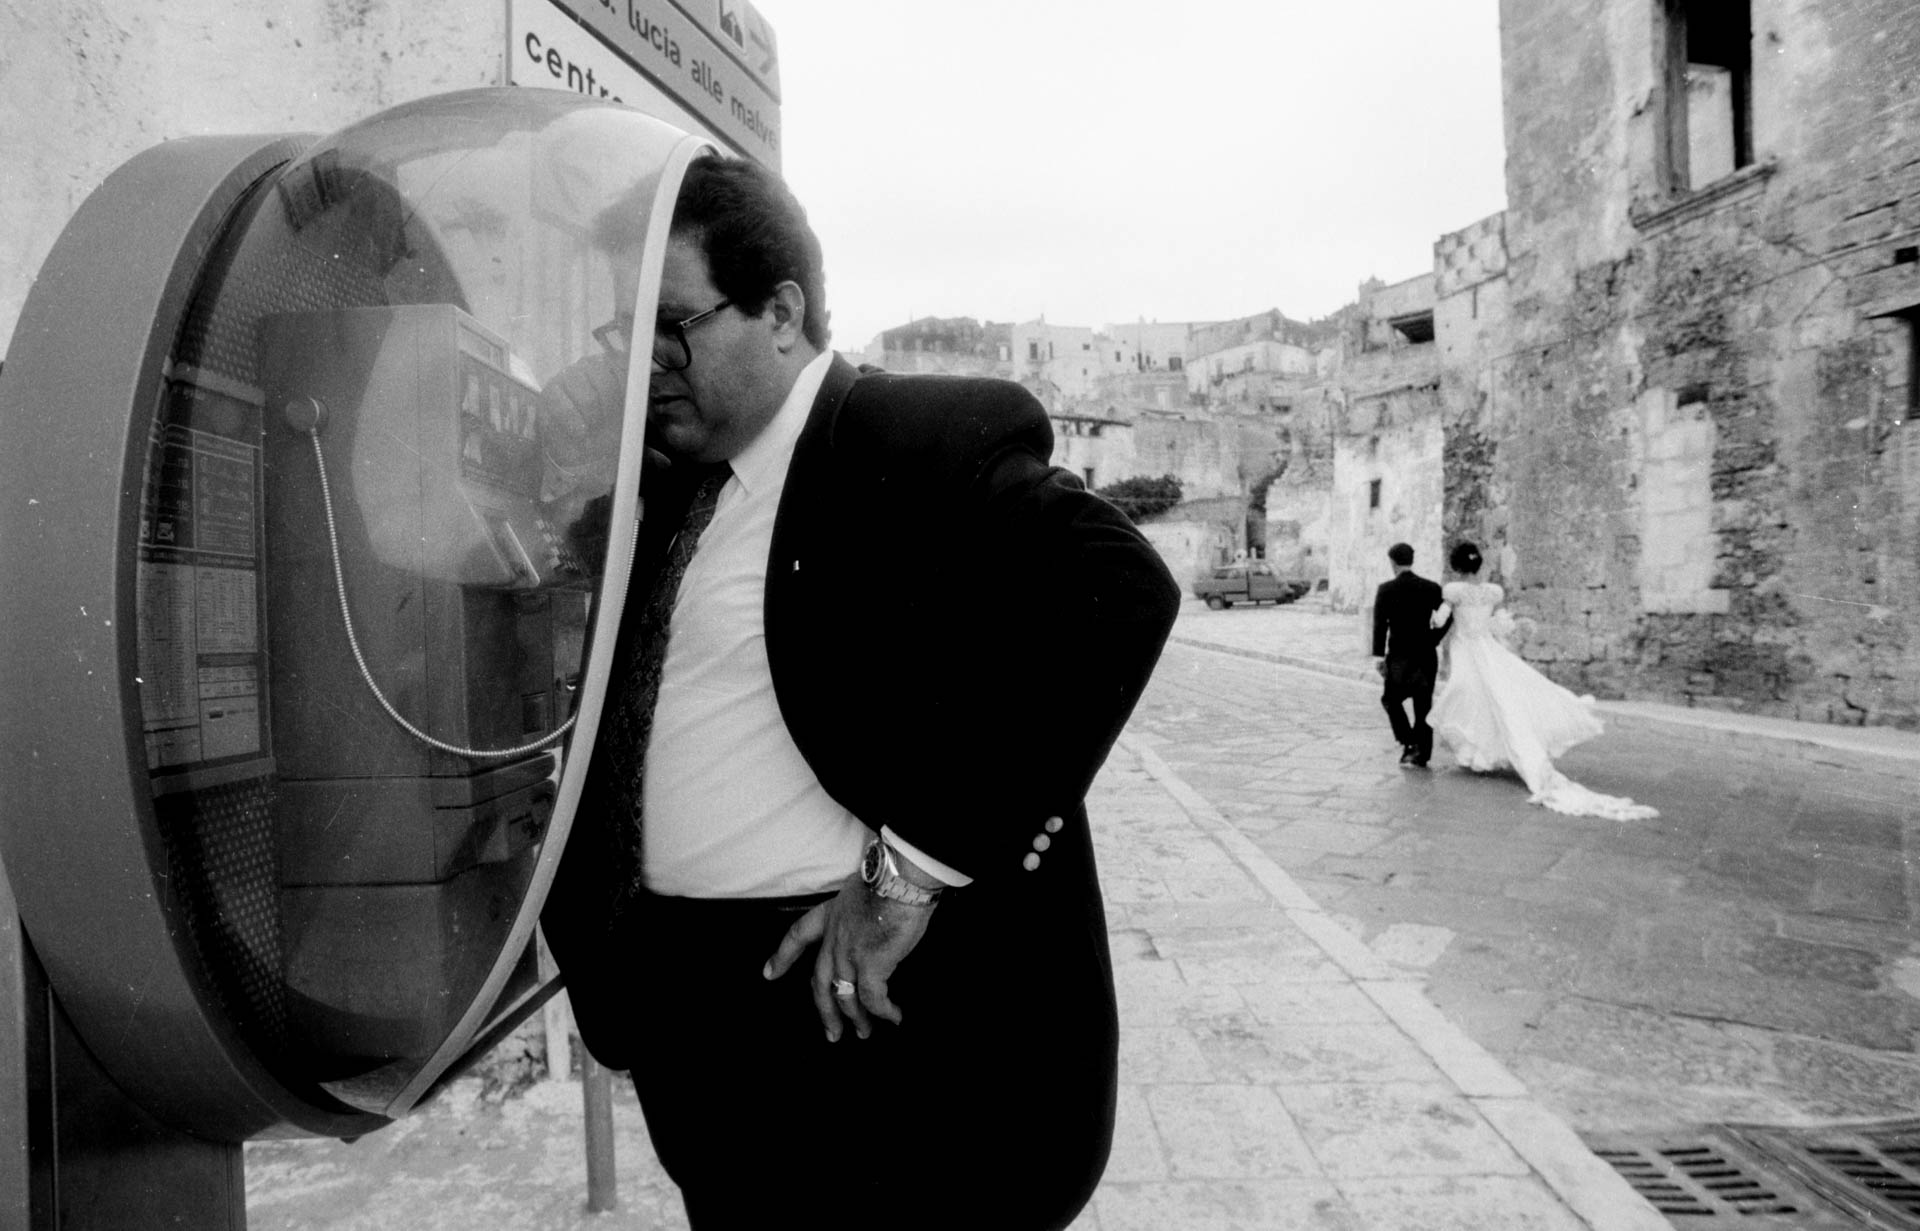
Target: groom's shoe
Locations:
point(1407, 753)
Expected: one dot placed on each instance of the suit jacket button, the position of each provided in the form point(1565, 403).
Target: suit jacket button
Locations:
point(1041, 842)
point(1055, 824)
point(1030, 862)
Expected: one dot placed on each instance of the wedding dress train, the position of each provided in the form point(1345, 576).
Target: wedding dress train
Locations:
point(1497, 712)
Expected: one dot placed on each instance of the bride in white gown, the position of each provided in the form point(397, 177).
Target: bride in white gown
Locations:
point(1497, 712)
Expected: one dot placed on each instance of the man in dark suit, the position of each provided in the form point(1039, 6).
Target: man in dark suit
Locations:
point(831, 895)
point(1404, 641)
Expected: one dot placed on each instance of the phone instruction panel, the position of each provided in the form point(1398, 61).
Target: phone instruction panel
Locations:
point(199, 604)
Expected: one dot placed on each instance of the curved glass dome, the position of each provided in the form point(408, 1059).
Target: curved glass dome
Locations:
point(385, 503)
point(415, 337)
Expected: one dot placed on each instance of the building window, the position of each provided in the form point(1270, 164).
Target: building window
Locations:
point(1414, 326)
point(1173, 363)
point(1086, 472)
point(1373, 493)
point(1709, 79)
point(1033, 349)
point(1907, 349)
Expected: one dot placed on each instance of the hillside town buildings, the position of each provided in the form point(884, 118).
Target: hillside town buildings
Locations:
point(1671, 390)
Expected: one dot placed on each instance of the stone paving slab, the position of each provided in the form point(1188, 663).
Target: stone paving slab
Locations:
point(1333, 1094)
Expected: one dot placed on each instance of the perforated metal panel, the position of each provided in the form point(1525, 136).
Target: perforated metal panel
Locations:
point(218, 334)
point(221, 863)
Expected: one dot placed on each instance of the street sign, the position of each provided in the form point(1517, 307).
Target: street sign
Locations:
point(748, 36)
point(719, 65)
point(547, 48)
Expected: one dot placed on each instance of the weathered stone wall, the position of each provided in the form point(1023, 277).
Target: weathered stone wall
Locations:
point(1472, 328)
point(86, 84)
point(1299, 518)
point(1126, 394)
point(1694, 457)
point(1193, 539)
point(1402, 453)
point(1205, 455)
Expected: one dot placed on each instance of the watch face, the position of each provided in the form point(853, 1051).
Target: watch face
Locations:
point(871, 862)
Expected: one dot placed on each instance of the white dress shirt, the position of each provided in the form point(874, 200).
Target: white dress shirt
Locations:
point(732, 808)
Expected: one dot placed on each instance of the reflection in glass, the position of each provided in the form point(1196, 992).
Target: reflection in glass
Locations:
point(358, 660)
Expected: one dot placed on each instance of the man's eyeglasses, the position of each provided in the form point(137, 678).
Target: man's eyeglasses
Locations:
point(670, 350)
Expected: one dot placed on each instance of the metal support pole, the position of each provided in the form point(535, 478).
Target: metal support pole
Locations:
point(555, 1018)
point(596, 1093)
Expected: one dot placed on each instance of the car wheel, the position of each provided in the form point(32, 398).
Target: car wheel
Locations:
point(1215, 602)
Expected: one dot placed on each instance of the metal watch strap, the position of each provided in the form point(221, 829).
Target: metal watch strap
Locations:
point(892, 885)
point(888, 883)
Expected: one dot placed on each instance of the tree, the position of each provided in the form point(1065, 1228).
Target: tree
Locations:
point(1141, 498)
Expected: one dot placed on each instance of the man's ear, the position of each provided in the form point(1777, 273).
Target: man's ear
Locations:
point(789, 306)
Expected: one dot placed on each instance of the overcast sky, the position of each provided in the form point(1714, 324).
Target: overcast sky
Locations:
point(1106, 162)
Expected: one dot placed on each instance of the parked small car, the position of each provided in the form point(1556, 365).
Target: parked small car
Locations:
point(1253, 582)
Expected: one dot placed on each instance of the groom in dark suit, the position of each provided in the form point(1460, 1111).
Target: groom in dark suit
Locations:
point(1404, 641)
point(831, 896)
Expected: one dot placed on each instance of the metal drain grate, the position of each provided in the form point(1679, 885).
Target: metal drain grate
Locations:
point(1870, 1170)
point(1702, 1176)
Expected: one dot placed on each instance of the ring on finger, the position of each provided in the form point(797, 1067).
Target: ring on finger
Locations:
point(843, 987)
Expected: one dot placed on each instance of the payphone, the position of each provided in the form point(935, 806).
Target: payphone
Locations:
point(314, 587)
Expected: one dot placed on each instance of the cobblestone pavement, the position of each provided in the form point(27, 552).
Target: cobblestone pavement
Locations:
point(1275, 1072)
point(1335, 974)
point(1752, 954)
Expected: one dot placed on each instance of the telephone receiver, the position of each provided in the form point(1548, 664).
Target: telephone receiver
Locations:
point(444, 467)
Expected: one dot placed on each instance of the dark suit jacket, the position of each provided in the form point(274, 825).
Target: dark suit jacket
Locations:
point(1402, 620)
point(957, 633)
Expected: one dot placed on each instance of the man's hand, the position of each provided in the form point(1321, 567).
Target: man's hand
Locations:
point(580, 421)
point(1380, 665)
point(863, 937)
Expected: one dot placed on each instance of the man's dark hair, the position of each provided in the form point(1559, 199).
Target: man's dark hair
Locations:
point(1401, 554)
point(1465, 558)
point(754, 234)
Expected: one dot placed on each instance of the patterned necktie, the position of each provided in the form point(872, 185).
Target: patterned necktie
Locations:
point(631, 722)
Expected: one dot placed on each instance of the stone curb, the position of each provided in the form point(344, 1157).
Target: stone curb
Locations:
point(1878, 750)
point(1364, 675)
point(1592, 1190)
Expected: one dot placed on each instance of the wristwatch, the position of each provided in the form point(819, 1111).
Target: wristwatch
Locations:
point(882, 874)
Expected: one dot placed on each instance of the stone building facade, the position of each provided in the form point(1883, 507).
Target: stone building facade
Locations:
point(952, 346)
point(1059, 363)
point(1685, 428)
point(1149, 346)
point(1387, 440)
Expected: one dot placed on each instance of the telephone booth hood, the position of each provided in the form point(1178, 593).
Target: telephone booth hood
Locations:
point(321, 466)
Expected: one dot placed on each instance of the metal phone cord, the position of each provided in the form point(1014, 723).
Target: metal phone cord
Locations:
point(353, 641)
